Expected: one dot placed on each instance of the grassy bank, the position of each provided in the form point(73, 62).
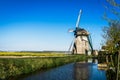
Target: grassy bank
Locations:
point(13, 67)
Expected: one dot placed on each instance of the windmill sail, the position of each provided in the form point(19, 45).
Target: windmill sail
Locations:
point(71, 45)
point(78, 20)
point(90, 42)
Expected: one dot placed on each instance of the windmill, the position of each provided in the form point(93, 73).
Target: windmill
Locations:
point(82, 43)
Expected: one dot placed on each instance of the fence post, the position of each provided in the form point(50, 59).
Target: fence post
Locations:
point(117, 77)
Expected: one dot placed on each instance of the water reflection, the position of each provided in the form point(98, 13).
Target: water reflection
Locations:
point(73, 71)
point(88, 71)
point(60, 73)
point(81, 71)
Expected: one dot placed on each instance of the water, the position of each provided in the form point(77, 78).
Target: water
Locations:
point(73, 71)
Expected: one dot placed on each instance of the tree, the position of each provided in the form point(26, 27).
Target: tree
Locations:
point(112, 32)
point(112, 37)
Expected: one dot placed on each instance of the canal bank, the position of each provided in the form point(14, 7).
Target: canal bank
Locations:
point(73, 71)
point(10, 67)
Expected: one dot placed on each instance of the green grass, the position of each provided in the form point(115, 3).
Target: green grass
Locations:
point(17, 66)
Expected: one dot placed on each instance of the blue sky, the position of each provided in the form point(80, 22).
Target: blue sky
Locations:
point(43, 24)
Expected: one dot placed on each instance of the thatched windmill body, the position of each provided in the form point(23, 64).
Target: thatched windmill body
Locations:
point(82, 41)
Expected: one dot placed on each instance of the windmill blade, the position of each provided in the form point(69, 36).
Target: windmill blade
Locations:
point(78, 20)
point(90, 42)
point(71, 45)
point(71, 30)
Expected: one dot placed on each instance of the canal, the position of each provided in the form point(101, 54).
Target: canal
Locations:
point(72, 71)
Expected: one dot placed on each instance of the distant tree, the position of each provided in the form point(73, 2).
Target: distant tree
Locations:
point(112, 32)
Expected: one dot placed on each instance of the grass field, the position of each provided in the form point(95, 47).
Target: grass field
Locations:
point(17, 66)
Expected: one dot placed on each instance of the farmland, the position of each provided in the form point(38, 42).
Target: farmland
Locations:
point(37, 54)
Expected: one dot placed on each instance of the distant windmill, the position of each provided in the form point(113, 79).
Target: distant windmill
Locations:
point(82, 41)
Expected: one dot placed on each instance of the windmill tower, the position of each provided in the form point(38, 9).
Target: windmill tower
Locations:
point(82, 42)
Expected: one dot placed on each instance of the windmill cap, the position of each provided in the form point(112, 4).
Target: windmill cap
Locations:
point(81, 31)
